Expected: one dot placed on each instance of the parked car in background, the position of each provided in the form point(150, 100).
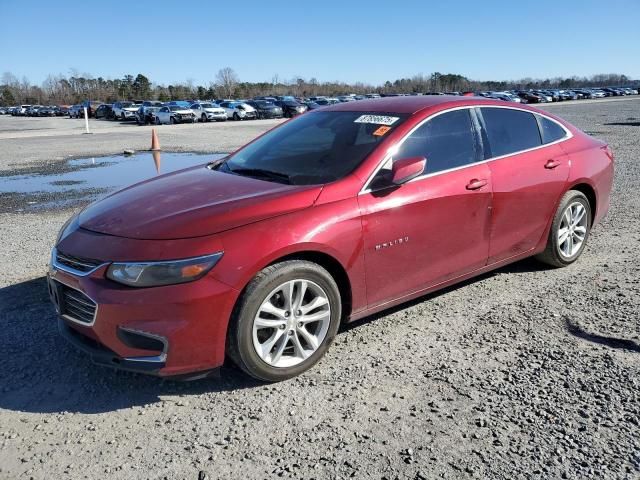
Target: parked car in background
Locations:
point(266, 109)
point(530, 97)
point(174, 114)
point(323, 102)
point(76, 111)
point(47, 111)
point(291, 108)
point(239, 110)
point(124, 110)
point(146, 114)
point(312, 105)
point(207, 112)
point(179, 103)
point(505, 97)
point(21, 110)
point(105, 111)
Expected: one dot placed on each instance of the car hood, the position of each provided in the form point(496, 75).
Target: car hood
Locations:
point(191, 203)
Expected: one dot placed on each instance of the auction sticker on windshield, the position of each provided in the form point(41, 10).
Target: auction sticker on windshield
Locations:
point(377, 119)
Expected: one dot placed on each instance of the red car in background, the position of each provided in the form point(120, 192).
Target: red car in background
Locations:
point(330, 217)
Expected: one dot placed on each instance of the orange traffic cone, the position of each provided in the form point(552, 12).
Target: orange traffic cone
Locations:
point(155, 144)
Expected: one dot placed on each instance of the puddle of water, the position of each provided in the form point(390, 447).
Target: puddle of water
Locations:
point(103, 173)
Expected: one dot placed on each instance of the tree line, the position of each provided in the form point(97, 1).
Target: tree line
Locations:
point(75, 88)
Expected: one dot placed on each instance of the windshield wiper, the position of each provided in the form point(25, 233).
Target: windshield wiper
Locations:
point(262, 173)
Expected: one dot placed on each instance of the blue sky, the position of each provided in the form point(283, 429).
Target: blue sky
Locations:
point(371, 41)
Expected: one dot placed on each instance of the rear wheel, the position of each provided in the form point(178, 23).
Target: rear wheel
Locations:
point(569, 231)
point(284, 321)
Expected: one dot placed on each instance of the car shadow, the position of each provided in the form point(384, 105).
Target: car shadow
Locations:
point(624, 124)
point(612, 342)
point(41, 373)
point(527, 265)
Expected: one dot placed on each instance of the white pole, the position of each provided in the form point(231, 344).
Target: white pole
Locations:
point(86, 120)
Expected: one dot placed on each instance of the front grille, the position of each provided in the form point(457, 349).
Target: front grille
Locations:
point(76, 305)
point(79, 264)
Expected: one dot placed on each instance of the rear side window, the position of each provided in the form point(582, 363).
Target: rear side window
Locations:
point(447, 141)
point(550, 130)
point(510, 131)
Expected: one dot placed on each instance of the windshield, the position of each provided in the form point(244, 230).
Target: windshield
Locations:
point(206, 105)
point(315, 148)
point(175, 108)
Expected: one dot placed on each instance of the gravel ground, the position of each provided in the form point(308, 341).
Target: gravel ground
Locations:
point(526, 372)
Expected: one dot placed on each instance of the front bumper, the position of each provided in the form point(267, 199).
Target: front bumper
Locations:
point(217, 116)
point(185, 119)
point(185, 324)
point(270, 114)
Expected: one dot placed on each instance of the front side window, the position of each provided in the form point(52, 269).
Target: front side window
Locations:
point(446, 141)
point(510, 130)
point(551, 131)
point(316, 148)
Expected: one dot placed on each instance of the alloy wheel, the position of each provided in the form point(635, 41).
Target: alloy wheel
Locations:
point(572, 230)
point(291, 323)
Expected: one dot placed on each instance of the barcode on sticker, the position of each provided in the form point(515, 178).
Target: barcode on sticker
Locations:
point(377, 119)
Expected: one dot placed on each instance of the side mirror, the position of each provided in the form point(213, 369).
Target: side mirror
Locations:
point(407, 169)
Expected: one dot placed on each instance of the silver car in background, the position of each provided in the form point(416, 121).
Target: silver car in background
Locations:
point(206, 112)
point(174, 114)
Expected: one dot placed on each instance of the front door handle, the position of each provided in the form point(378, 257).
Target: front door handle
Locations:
point(551, 164)
point(476, 184)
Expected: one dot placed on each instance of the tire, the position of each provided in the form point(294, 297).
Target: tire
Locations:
point(243, 340)
point(157, 121)
point(172, 120)
point(563, 253)
point(236, 117)
point(122, 117)
point(204, 118)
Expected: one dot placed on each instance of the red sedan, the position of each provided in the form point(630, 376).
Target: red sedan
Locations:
point(328, 218)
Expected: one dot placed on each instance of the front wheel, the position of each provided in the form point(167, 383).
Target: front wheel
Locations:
point(284, 321)
point(172, 121)
point(569, 231)
point(204, 118)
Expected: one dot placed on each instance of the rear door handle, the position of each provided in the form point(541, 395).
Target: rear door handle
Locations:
point(476, 184)
point(551, 164)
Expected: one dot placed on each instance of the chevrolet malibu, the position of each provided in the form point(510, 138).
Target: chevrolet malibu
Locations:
point(332, 216)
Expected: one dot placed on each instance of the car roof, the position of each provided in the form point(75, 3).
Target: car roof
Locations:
point(409, 104)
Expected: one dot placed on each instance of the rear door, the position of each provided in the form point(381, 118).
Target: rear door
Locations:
point(432, 228)
point(529, 175)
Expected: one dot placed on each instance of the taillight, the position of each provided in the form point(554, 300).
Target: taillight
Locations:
point(607, 151)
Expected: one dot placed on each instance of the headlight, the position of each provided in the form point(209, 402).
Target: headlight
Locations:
point(153, 274)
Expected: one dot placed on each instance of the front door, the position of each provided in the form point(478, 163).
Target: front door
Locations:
point(433, 228)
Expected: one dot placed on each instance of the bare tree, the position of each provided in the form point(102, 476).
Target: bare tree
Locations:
point(228, 80)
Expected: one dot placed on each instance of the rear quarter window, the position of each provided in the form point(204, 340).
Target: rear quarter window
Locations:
point(510, 130)
point(550, 130)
